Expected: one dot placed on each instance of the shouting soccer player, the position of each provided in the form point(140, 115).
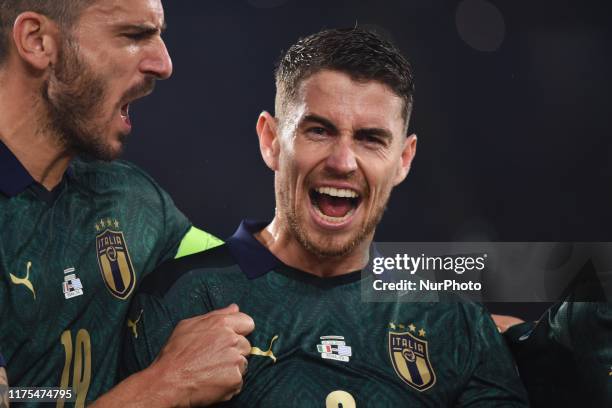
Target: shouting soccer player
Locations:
point(338, 146)
point(77, 237)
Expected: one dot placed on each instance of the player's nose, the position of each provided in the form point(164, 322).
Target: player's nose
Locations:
point(157, 61)
point(341, 159)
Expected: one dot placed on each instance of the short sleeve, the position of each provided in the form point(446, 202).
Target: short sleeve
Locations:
point(180, 238)
point(176, 227)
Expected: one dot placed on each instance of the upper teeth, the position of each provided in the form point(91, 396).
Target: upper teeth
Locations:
point(337, 192)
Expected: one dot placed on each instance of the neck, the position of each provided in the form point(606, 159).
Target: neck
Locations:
point(24, 129)
point(279, 240)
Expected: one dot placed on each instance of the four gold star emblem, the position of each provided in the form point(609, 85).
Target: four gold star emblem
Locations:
point(106, 223)
point(411, 327)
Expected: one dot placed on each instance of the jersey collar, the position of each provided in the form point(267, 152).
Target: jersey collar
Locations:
point(14, 178)
point(254, 258)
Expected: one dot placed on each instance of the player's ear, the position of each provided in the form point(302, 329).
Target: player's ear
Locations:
point(36, 39)
point(408, 152)
point(267, 131)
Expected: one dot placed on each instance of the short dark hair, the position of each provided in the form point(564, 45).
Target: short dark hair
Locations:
point(360, 53)
point(63, 12)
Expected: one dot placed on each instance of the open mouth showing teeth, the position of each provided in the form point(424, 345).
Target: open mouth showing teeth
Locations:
point(334, 204)
point(125, 112)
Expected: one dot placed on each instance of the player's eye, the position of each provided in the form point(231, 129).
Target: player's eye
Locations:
point(317, 130)
point(372, 139)
point(138, 36)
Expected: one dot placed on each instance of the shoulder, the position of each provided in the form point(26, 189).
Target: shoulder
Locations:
point(118, 174)
point(468, 321)
point(198, 269)
point(463, 313)
point(189, 286)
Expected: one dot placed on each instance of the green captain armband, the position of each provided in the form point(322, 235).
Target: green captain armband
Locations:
point(196, 240)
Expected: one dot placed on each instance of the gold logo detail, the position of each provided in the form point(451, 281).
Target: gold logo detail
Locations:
point(410, 359)
point(114, 260)
point(133, 324)
point(256, 351)
point(24, 281)
point(411, 327)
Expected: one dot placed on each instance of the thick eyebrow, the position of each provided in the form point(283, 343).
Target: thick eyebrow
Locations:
point(380, 132)
point(142, 28)
point(326, 123)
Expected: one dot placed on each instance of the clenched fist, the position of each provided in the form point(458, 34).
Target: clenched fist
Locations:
point(206, 356)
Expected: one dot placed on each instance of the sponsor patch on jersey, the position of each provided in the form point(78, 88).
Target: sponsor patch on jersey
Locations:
point(410, 358)
point(334, 348)
point(72, 286)
point(114, 259)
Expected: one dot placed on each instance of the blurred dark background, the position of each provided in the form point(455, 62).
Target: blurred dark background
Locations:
point(512, 113)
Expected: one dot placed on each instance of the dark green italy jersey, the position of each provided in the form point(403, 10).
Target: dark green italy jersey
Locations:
point(316, 344)
point(565, 359)
point(70, 261)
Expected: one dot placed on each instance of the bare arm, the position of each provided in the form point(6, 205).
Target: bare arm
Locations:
point(202, 363)
point(143, 389)
point(4, 402)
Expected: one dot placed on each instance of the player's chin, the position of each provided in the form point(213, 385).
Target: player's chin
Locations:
point(111, 150)
point(115, 150)
point(332, 245)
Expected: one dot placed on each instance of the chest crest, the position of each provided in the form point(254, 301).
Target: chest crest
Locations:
point(409, 355)
point(114, 259)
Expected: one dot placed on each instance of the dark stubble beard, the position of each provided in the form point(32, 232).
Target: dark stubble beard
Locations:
point(326, 248)
point(73, 97)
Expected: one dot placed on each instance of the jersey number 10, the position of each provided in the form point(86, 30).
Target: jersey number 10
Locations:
point(81, 374)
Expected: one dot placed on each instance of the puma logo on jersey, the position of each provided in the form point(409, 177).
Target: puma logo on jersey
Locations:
point(133, 324)
point(25, 281)
point(256, 351)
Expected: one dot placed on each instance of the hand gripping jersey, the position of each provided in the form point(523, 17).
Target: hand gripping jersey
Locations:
point(316, 344)
point(70, 261)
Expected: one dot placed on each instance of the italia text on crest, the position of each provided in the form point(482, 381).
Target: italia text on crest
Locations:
point(114, 259)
